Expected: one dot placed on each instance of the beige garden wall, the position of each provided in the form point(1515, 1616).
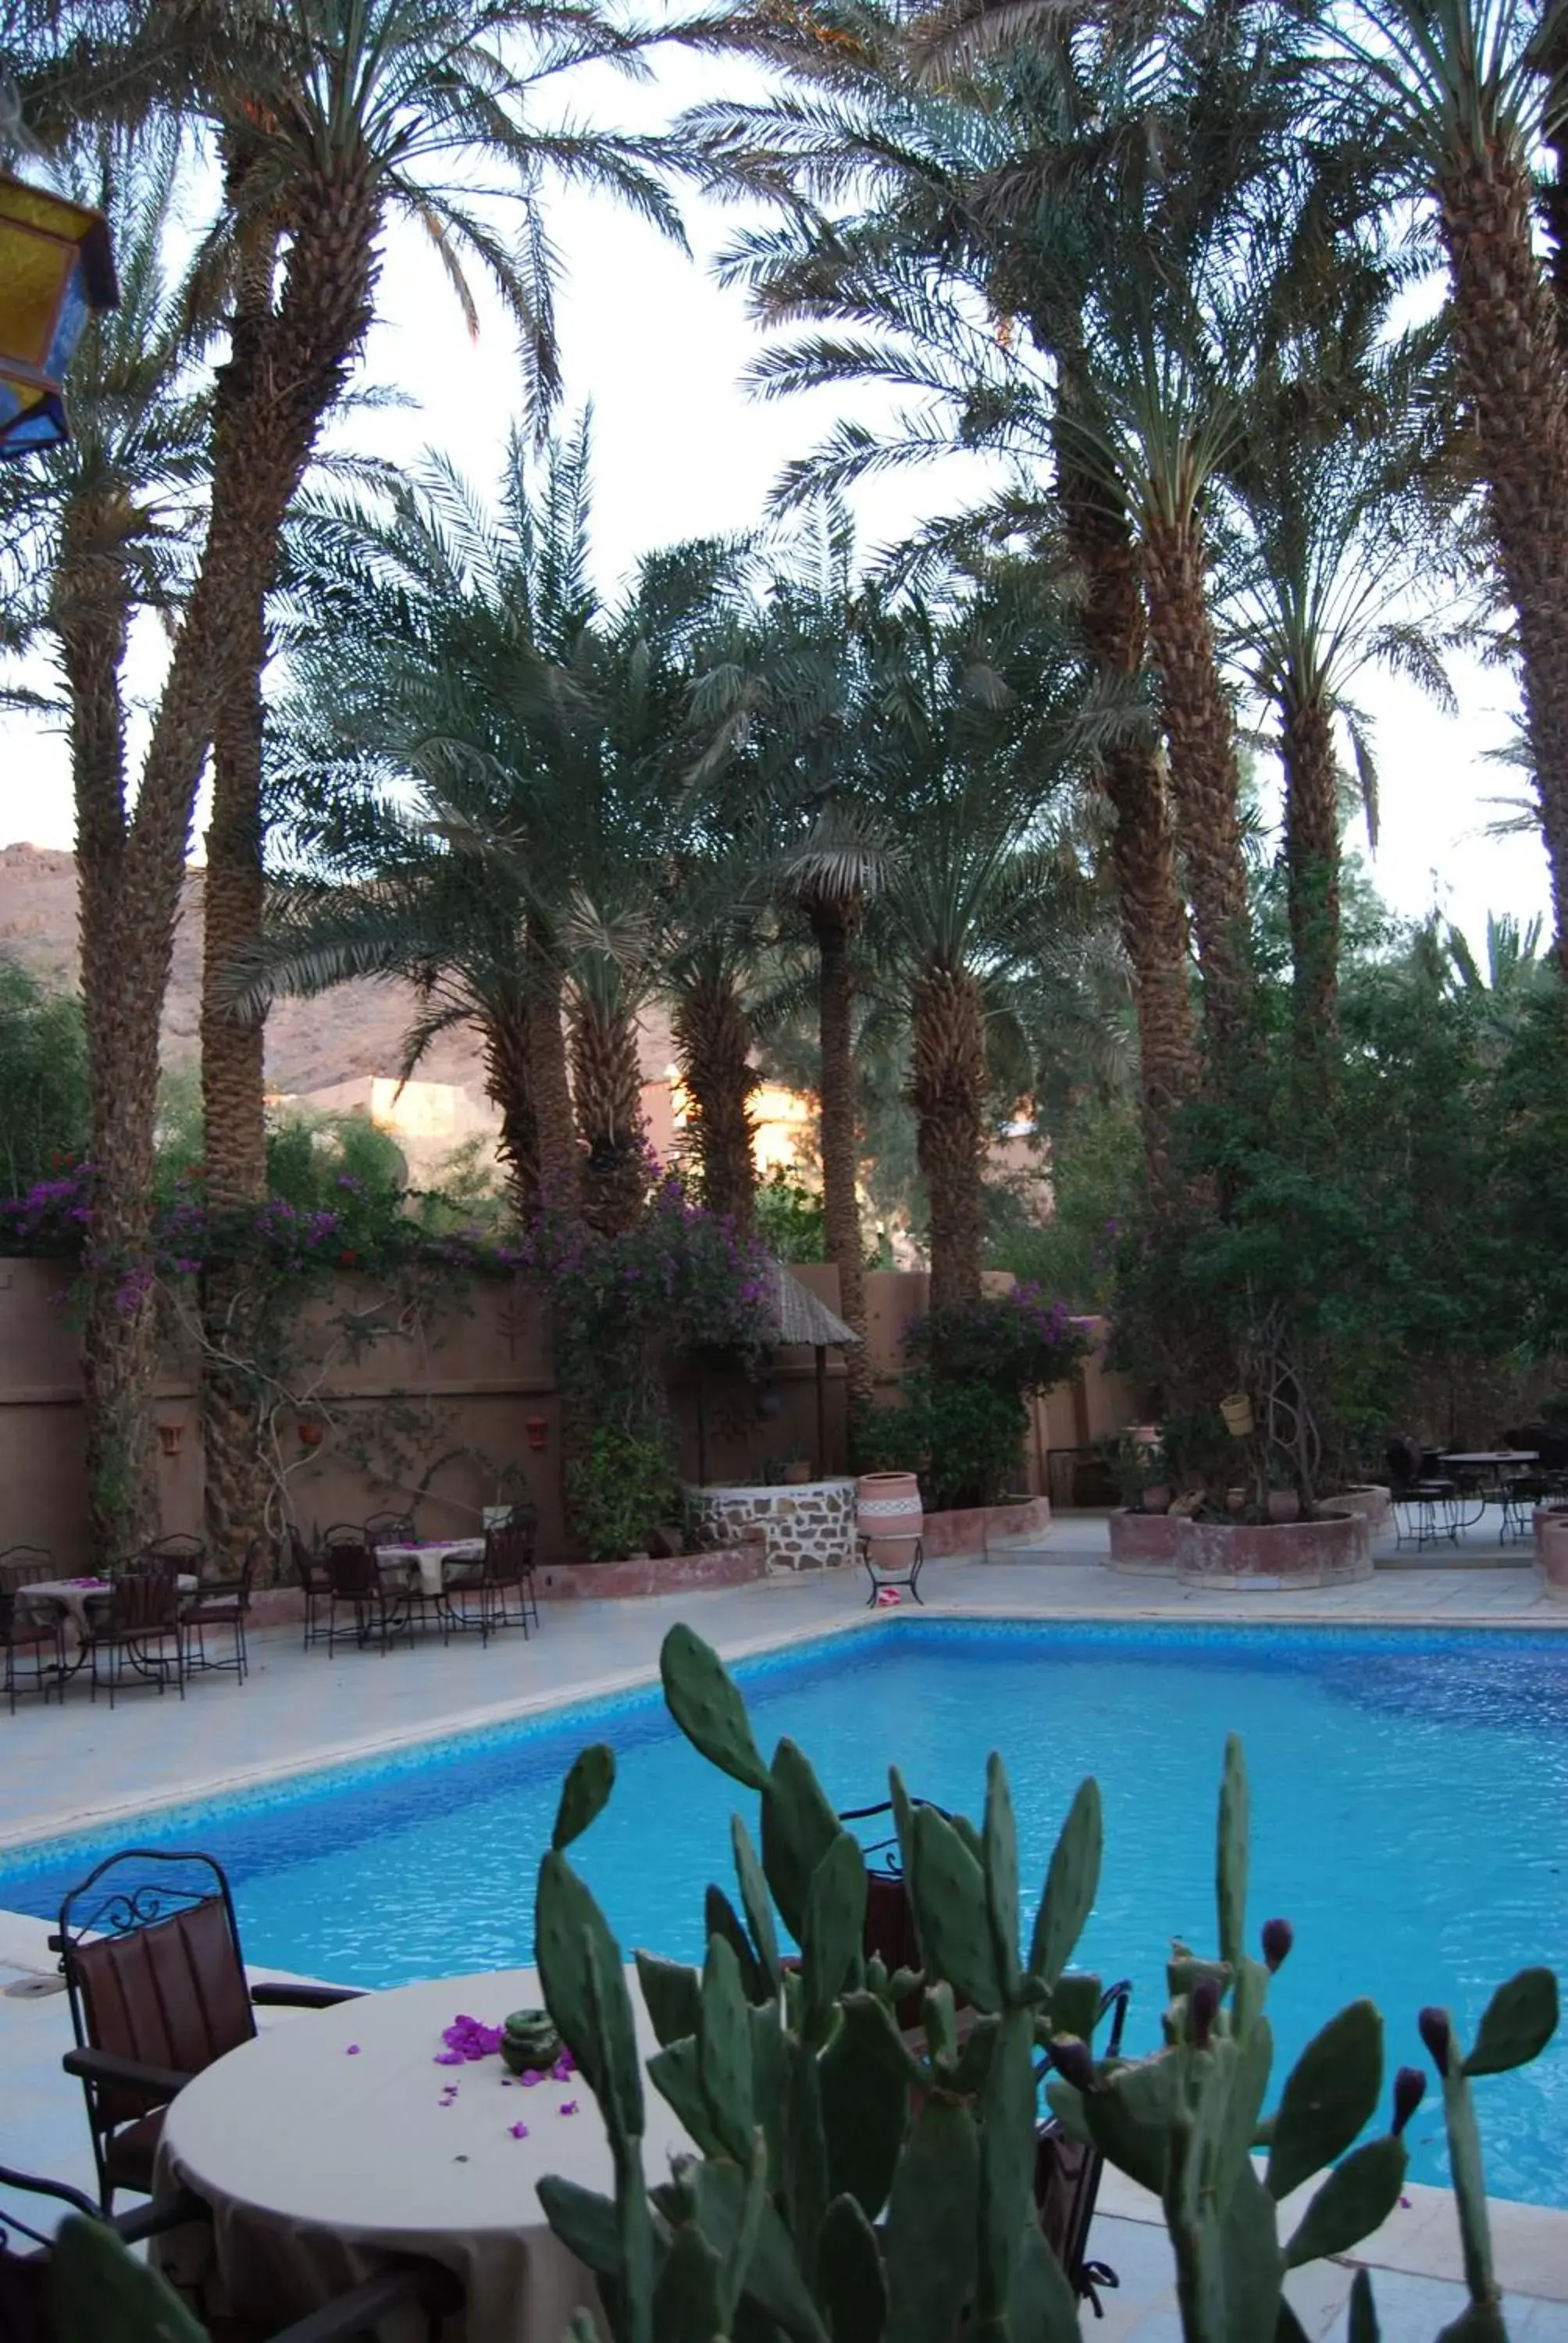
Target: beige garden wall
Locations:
point(434, 1412)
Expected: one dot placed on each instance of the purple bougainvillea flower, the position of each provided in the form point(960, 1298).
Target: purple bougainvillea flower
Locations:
point(564, 2068)
point(469, 2039)
point(568, 2106)
point(352, 2051)
point(517, 2131)
point(449, 2058)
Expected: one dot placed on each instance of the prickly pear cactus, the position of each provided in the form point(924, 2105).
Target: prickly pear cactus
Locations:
point(99, 2292)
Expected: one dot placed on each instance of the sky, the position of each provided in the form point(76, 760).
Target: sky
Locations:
point(681, 449)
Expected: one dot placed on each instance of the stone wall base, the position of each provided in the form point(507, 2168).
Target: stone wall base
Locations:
point(1144, 1545)
point(1267, 1557)
point(986, 1533)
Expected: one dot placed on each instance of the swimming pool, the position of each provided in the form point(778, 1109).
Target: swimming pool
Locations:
point(1410, 1797)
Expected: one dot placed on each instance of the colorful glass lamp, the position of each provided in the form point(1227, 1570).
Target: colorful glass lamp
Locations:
point(56, 267)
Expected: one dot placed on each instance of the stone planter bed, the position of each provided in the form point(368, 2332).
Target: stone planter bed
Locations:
point(1552, 1553)
point(982, 1532)
point(1264, 1558)
point(1144, 1545)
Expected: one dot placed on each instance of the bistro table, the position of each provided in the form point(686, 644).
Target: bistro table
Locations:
point(428, 1561)
point(74, 1599)
point(1487, 1467)
point(334, 2141)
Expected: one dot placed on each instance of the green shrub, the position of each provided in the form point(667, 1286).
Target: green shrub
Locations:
point(619, 1491)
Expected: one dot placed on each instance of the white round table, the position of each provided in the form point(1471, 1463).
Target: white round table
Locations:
point(428, 1561)
point(335, 2139)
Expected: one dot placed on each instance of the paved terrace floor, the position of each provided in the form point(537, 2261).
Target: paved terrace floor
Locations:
point(80, 1765)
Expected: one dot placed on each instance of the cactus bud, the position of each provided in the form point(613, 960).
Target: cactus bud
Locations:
point(1072, 2060)
point(1437, 2033)
point(1203, 2007)
point(1277, 1937)
point(1408, 2090)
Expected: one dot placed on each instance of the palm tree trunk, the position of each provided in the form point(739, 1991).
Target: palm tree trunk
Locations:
point(560, 1156)
point(833, 925)
point(509, 1086)
point(1151, 913)
point(713, 1043)
point(1511, 376)
point(606, 1091)
point(1205, 786)
point(949, 1090)
point(119, 1333)
point(1313, 880)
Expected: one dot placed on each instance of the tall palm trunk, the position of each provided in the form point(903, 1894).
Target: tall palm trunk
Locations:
point(713, 1044)
point(269, 409)
point(560, 1156)
point(1151, 911)
point(1512, 376)
point(606, 1091)
point(833, 924)
point(509, 1087)
point(949, 1092)
point(119, 1334)
point(1205, 783)
point(232, 1075)
point(1313, 880)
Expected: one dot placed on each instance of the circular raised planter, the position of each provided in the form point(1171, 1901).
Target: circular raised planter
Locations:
point(1552, 1554)
point(1268, 1557)
point(1370, 1498)
point(1145, 1545)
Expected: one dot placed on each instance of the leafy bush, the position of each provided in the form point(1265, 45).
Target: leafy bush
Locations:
point(619, 1490)
point(790, 1218)
point(964, 1441)
point(1015, 1342)
point(42, 1078)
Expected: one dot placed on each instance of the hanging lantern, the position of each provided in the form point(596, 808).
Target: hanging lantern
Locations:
point(56, 267)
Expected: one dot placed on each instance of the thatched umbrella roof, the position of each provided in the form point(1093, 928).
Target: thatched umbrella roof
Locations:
point(798, 1314)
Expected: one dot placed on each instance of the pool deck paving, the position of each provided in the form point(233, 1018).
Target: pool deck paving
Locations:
point(78, 1767)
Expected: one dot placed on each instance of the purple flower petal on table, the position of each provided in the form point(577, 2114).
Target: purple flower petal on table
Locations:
point(447, 2058)
point(530, 2078)
point(517, 2131)
point(352, 2051)
point(568, 2106)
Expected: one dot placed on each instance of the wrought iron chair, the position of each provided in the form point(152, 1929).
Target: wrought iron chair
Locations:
point(506, 1567)
point(26, 2316)
point(390, 1529)
point(27, 1565)
point(314, 1584)
point(150, 1949)
point(178, 1552)
point(138, 1626)
point(354, 1585)
point(223, 1607)
point(411, 1604)
point(24, 1635)
point(1425, 1505)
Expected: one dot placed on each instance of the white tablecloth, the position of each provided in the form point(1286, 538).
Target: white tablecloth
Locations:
point(73, 1596)
point(331, 2141)
point(427, 1560)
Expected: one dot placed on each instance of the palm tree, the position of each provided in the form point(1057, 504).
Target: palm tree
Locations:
point(1346, 513)
point(337, 112)
point(1457, 106)
point(91, 535)
point(973, 707)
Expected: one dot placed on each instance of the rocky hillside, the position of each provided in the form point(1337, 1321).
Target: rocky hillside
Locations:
point(355, 1030)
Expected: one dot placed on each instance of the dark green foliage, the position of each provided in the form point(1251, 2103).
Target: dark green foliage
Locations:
point(43, 1080)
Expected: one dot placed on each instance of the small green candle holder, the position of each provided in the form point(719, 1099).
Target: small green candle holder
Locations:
point(529, 2042)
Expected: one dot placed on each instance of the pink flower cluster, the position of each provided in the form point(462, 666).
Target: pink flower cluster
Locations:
point(467, 2038)
point(563, 2069)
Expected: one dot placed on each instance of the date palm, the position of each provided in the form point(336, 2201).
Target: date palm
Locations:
point(332, 115)
point(90, 536)
point(1456, 104)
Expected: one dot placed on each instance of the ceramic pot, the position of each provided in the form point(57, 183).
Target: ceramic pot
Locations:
point(1156, 1499)
point(887, 1511)
point(1237, 1412)
point(797, 1472)
point(1284, 1505)
point(529, 2042)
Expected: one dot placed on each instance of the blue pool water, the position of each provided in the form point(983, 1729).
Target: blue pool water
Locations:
point(1410, 1806)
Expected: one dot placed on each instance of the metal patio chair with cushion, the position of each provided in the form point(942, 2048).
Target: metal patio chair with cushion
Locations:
point(186, 1556)
point(25, 1635)
point(354, 1585)
point(222, 1607)
point(1425, 1505)
point(390, 1529)
point(138, 1626)
point(26, 2312)
point(412, 1606)
point(1522, 1493)
point(156, 1984)
point(480, 1594)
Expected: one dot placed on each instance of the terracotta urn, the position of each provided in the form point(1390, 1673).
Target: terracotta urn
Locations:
point(1284, 1505)
point(1156, 1498)
point(888, 1512)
